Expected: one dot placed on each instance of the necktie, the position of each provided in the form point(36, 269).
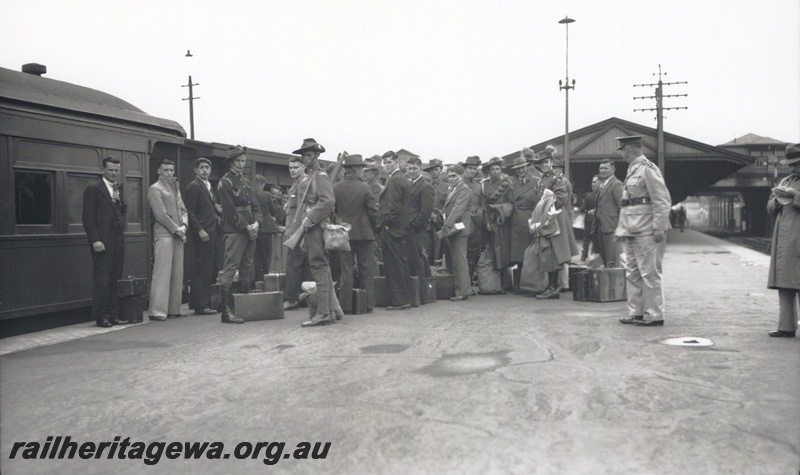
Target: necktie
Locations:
point(115, 195)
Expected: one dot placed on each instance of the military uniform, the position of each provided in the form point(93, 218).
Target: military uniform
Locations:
point(497, 192)
point(240, 209)
point(645, 210)
point(317, 207)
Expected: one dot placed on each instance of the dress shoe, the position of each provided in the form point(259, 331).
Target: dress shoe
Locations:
point(205, 311)
point(630, 320)
point(176, 315)
point(157, 318)
point(116, 321)
point(317, 323)
point(651, 323)
point(400, 307)
point(782, 334)
point(103, 323)
point(290, 304)
point(564, 291)
point(458, 298)
point(549, 294)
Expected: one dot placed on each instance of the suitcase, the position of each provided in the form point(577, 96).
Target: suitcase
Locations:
point(509, 277)
point(131, 286)
point(428, 291)
point(259, 306)
point(415, 292)
point(607, 285)
point(131, 308)
point(573, 272)
point(580, 292)
point(274, 282)
point(359, 301)
point(215, 297)
point(445, 286)
point(381, 299)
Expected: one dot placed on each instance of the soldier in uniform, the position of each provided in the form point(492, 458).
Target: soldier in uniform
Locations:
point(474, 243)
point(642, 229)
point(440, 185)
point(523, 196)
point(563, 247)
point(296, 259)
point(495, 200)
point(241, 220)
point(317, 201)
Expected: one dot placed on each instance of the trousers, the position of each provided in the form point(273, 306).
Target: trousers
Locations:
point(239, 253)
point(362, 252)
point(203, 270)
point(458, 255)
point(787, 316)
point(417, 261)
point(643, 274)
point(395, 266)
point(107, 266)
point(167, 284)
point(263, 255)
point(320, 270)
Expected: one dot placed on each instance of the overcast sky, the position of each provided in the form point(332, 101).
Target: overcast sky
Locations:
point(440, 78)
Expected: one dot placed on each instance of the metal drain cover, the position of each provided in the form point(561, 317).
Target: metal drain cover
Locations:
point(688, 341)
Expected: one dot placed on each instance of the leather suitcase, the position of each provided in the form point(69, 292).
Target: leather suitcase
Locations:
point(359, 301)
point(573, 272)
point(131, 308)
point(259, 306)
point(416, 300)
point(607, 285)
point(445, 286)
point(131, 286)
point(581, 281)
point(274, 282)
point(215, 297)
point(381, 299)
point(428, 291)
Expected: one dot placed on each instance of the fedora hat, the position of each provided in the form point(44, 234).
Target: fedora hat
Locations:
point(354, 160)
point(492, 161)
point(433, 164)
point(372, 163)
point(473, 160)
point(792, 154)
point(310, 145)
point(518, 162)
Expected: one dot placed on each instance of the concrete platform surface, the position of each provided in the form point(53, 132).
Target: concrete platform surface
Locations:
point(496, 384)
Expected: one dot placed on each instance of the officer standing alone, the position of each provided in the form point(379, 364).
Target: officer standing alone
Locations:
point(642, 229)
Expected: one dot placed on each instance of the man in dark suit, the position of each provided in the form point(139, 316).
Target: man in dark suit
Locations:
point(420, 207)
point(394, 222)
point(104, 213)
point(268, 227)
point(457, 228)
point(204, 213)
point(356, 205)
point(609, 202)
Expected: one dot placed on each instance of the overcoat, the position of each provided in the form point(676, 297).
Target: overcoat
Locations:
point(563, 245)
point(356, 205)
point(524, 197)
point(784, 264)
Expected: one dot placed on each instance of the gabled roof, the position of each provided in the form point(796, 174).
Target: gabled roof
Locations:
point(691, 166)
point(753, 139)
point(22, 88)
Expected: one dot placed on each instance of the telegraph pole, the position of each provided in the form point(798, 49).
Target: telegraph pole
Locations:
point(191, 100)
point(659, 97)
point(566, 87)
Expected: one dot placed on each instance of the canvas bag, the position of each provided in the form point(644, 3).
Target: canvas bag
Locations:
point(489, 279)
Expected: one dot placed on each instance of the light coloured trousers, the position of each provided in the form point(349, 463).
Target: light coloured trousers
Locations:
point(643, 274)
point(458, 252)
point(167, 284)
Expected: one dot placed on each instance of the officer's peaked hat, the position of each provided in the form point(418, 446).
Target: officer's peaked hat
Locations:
point(629, 140)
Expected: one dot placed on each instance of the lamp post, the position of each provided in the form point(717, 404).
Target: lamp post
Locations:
point(566, 86)
point(191, 100)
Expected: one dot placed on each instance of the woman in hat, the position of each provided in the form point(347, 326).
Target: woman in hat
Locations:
point(784, 264)
point(523, 196)
point(563, 247)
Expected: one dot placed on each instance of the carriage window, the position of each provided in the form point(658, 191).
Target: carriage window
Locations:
point(33, 197)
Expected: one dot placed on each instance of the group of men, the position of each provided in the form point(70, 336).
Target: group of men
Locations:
point(416, 219)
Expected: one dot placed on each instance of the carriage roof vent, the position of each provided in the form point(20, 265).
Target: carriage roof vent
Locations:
point(34, 68)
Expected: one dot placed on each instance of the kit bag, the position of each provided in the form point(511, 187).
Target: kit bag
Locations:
point(335, 234)
point(490, 280)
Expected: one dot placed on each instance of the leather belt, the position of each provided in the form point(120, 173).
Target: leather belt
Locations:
point(636, 201)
